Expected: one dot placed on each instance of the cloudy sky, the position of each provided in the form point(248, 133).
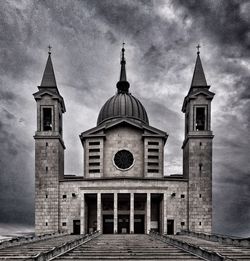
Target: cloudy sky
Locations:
point(160, 37)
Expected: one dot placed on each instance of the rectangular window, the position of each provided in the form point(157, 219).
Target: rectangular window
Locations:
point(200, 166)
point(94, 150)
point(73, 195)
point(187, 123)
point(182, 223)
point(64, 224)
point(94, 163)
point(94, 157)
point(153, 164)
point(153, 150)
point(182, 196)
point(200, 119)
point(153, 157)
point(64, 196)
point(47, 119)
point(94, 171)
point(94, 143)
point(153, 143)
point(60, 123)
point(153, 170)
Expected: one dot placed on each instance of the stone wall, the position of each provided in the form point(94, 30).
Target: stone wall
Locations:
point(128, 138)
point(175, 190)
point(200, 184)
point(47, 169)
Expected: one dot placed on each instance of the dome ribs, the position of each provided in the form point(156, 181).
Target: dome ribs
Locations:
point(122, 105)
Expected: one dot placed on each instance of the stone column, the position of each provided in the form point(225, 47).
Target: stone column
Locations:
point(115, 213)
point(165, 221)
point(99, 212)
point(132, 213)
point(82, 215)
point(148, 213)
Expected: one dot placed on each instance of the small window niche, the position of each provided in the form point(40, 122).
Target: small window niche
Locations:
point(47, 119)
point(60, 123)
point(187, 123)
point(200, 123)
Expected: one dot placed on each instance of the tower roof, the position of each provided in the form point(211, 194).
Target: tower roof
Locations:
point(49, 79)
point(199, 79)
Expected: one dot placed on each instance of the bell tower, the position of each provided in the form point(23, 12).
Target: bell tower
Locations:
point(197, 151)
point(49, 152)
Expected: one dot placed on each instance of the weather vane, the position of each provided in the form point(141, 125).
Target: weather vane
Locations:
point(198, 48)
point(49, 47)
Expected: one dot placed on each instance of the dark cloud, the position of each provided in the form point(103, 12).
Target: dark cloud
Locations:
point(16, 179)
point(160, 38)
point(111, 37)
point(224, 21)
point(6, 95)
point(231, 193)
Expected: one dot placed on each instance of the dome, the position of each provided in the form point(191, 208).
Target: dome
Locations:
point(123, 104)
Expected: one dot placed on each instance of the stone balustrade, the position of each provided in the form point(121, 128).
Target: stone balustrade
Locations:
point(62, 249)
point(28, 239)
point(245, 242)
point(196, 250)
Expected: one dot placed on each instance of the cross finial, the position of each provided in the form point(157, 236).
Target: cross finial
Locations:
point(198, 49)
point(49, 47)
point(123, 51)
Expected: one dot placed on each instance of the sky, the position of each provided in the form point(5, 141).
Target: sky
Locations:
point(160, 40)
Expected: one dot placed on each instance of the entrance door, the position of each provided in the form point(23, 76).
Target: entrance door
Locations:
point(170, 227)
point(139, 224)
point(123, 224)
point(76, 227)
point(108, 224)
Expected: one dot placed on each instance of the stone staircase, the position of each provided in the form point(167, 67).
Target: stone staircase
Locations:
point(226, 250)
point(32, 249)
point(126, 247)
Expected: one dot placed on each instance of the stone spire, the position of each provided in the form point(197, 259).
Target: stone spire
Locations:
point(49, 79)
point(199, 79)
point(123, 84)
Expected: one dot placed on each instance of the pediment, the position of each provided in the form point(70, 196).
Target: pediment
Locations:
point(205, 92)
point(53, 94)
point(41, 93)
point(194, 93)
point(146, 129)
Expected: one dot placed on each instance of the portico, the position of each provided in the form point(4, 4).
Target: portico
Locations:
point(123, 211)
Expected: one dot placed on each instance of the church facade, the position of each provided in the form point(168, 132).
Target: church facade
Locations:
point(123, 188)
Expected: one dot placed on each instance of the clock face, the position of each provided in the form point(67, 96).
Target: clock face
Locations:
point(123, 159)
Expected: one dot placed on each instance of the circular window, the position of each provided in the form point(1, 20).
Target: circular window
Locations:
point(123, 159)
